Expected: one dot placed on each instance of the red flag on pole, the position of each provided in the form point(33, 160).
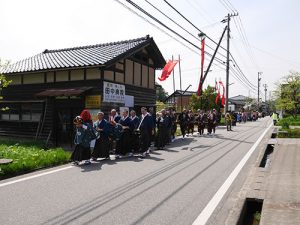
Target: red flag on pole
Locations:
point(218, 94)
point(168, 69)
point(223, 94)
point(202, 64)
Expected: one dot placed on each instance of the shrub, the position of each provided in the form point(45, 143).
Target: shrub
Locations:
point(286, 122)
point(28, 157)
point(291, 133)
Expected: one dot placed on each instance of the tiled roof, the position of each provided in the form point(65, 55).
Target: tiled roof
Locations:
point(83, 56)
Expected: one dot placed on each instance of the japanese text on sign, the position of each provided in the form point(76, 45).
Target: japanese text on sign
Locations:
point(113, 92)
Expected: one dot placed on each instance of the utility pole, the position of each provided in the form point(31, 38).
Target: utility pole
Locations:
point(258, 86)
point(227, 61)
point(180, 82)
point(266, 105)
point(174, 84)
point(265, 86)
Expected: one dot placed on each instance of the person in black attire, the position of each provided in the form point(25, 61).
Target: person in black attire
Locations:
point(162, 130)
point(135, 143)
point(146, 127)
point(214, 119)
point(113, 119)
point(160, 124)
point(209, 123)
point(173, 124)
point(124, 144)
point(168, 127)
point(200, 121)
point(153, 116)
point(101, 149)
point(183, 122)
point(191, 120)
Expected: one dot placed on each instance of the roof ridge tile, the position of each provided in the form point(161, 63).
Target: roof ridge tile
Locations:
point(96, 45)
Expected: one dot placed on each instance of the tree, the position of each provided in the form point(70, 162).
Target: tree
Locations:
point(288, 94)
point(3, 81)
point(161, 94)
point(207, 101)
point(160, 106)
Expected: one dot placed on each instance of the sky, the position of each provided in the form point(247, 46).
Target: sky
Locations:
point(264, 36)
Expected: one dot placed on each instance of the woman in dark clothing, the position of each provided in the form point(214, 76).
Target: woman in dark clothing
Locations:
point(135, 136)
point(183, 122)
point(124, 144)
point(174, 125)
point(210, 122)
point(161, 122)
point(101, 149)
point(146, 127)
point(82, 142)
point(200, 120)
point(191, 120)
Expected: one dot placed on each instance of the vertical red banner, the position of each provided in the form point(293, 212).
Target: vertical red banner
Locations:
point(202, 65)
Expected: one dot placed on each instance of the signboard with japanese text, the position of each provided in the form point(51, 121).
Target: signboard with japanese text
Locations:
point(92, 101)
point(113, 92)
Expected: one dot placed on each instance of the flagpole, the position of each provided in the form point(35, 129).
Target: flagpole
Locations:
point(173, 82)
point(180, 82)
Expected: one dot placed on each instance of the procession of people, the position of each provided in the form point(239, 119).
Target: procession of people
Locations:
point(130, 135)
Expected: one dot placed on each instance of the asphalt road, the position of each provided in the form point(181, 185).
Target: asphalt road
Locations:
point(171, 186)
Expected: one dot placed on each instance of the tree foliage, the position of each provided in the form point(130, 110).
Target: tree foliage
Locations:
point(160, 106)
point(288, 94)
point(207, 101)
point(3, 81)
point(161, 94)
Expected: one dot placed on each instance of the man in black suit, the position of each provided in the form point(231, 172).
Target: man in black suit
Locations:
point(146, 128)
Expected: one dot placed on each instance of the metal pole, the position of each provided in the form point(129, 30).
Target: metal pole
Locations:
point(258, 86)
point(265, 86)
point(173, 82)
point(180, 82)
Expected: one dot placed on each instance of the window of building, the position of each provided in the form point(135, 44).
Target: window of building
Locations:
point(137, 74)
point(145, 78)
point(22, 112)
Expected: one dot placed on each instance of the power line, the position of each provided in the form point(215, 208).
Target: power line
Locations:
point(197, 28)
point(217, 59)
point(131, 10)
point(164, 25)
point(241, 72)
point(194, 36)
point(191, 23)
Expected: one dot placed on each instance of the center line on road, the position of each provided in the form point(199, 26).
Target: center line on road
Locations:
point(35, 176)
point(214, 202)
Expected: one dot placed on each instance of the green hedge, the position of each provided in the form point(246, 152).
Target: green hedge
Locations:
point(291, 133)
point(289, 121)
point(27, 157)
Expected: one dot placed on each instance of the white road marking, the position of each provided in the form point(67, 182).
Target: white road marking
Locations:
point(214, 202)
point(35, 176)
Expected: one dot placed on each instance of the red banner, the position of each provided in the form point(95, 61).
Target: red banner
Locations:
point(168, 69)
point(223, 94)
point(217, 89)
point(202, 64)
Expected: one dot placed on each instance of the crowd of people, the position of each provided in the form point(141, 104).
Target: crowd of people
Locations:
point(128, 134)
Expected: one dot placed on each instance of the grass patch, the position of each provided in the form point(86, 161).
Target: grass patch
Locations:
point(291, 133)
point(28, 156)
point(289, 121)
point(285, 123)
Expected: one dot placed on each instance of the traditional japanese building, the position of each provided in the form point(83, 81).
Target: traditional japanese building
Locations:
point(49, 89)
point(180, 99)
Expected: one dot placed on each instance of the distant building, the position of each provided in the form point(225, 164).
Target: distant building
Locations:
point(237, 103)
point(180, 99)
point(49, 89)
